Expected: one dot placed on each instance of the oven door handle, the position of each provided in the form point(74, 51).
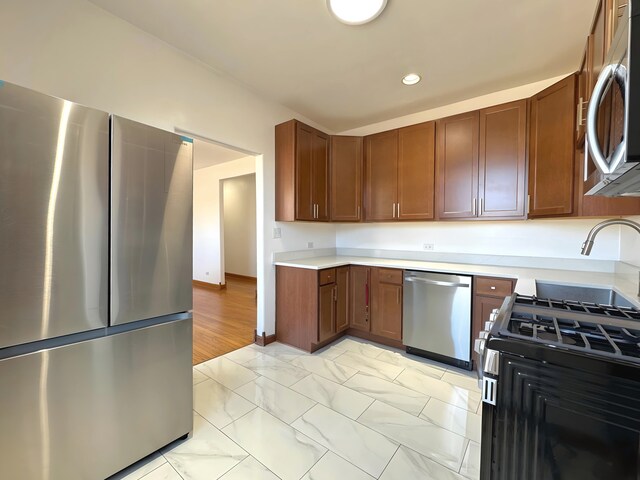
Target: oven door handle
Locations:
point(595, 149)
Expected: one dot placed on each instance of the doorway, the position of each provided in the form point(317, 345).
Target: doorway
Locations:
point(224, 306)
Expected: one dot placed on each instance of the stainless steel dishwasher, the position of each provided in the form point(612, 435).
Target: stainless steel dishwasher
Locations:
point(437, 316)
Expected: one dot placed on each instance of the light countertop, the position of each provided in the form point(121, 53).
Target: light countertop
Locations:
point(526, 276)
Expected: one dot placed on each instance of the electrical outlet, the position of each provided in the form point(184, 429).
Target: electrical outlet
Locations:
point(277, 232)
point(428, 246)
point(309, 244)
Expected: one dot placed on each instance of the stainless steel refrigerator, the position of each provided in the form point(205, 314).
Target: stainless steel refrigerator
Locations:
point(95, 288)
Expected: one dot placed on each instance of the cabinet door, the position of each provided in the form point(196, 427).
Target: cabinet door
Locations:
point(503, 142)
point(326, 312)
point(482, 307)
point(359, 297)
point(416, 172)
point(304, 172)
point(381, 175)
point(551, 149)
point(346, 178)
point(614, 13)
point(457, 165)
point(600, 40)
point(584, 89)
point(386, 307)
point(320, 178)
point(342, 299)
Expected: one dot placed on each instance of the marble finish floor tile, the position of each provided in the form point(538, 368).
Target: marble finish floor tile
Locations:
point(455, 419)
point(332, 467)
point(333, 395)
point(439, 389)
point(390, 393)
point(405, 360)
point(442, 446)
point(280, 351)
point(409, 465)
point(164, 472)
point(471, 463)
point(249, 469)
point(325, 368)
point(354, 442)
point(282, 449)
point(207, 454)
point(226, 372)
point(219, 405)
point(461, 380)
point(198, 376)
point(243, 354)
point(330, 352)
point(272, 397)
point(369, 365)
point(358, 346)
point(282, 372)
point(141, 468)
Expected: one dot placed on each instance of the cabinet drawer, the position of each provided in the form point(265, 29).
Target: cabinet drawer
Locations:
point(390, 275)
point(494, 287)
point(327, 276)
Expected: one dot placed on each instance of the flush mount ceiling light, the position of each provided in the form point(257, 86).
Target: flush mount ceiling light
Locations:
point(411, 79)
point(356, 12)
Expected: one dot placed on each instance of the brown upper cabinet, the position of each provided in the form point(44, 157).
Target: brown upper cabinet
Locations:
point(302, 173)
point(399, 174)
point(551, 150)
point(481, 163)
point(346, 179)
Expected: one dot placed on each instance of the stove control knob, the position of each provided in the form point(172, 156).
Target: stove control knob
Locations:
point(478, 346)
point(496, 311)
point(484, 334)
point(493, 316)
point(488, 325)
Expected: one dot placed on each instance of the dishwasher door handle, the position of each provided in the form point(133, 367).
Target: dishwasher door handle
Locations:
point(437, 282)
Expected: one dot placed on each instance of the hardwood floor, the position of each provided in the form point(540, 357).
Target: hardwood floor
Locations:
point(223, 320)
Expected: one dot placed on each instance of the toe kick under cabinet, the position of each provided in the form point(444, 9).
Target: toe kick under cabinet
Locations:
point(315, 307)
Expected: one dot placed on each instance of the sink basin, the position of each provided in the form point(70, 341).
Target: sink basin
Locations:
point(601, 295)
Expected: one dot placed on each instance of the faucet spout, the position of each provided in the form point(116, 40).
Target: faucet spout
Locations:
point(588, 243)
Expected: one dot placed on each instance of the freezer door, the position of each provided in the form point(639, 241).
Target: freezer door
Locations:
point(54, 207)
point(151, 222)
point(89, 409)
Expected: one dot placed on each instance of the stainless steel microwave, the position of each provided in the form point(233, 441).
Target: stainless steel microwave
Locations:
point(613, 116)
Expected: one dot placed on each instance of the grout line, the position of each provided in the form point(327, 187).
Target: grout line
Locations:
point(315, 463)
point(463, 456)
point(174, 469)
point(391, 458)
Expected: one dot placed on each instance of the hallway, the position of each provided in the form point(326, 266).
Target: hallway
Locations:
point(223, 320)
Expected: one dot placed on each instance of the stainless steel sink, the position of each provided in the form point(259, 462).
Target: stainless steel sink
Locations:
point(603, 296)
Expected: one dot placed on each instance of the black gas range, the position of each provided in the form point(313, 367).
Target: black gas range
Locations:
point(561, 391)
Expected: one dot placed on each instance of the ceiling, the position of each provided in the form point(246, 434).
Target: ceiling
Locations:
point(296, 54)
point(207, 154)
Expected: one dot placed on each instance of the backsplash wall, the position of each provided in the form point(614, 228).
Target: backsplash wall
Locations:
point(630, 244)
point(561, 238)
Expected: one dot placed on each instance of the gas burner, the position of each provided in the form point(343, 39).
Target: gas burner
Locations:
point(579, 326)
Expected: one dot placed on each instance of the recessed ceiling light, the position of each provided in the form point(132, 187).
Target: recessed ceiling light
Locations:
point(411, 79)
point(356, 12)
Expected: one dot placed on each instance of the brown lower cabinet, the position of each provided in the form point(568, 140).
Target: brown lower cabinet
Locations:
point(489, 293)
point(312, 306)
point(386, 303)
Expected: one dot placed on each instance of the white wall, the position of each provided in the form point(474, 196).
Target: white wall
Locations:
point(239, 206)
point(208, 229)
point(629, 243)
point(561, 238)
point(75, 50)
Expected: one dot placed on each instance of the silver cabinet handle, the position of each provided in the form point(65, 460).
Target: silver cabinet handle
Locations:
point(473, 207)
point(394, 210)
point(358, 213)
point(480, 209)
point(619, 72)
point(436, 282)
point(398, 209)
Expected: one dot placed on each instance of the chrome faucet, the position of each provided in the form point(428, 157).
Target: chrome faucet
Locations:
point(588, 243)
